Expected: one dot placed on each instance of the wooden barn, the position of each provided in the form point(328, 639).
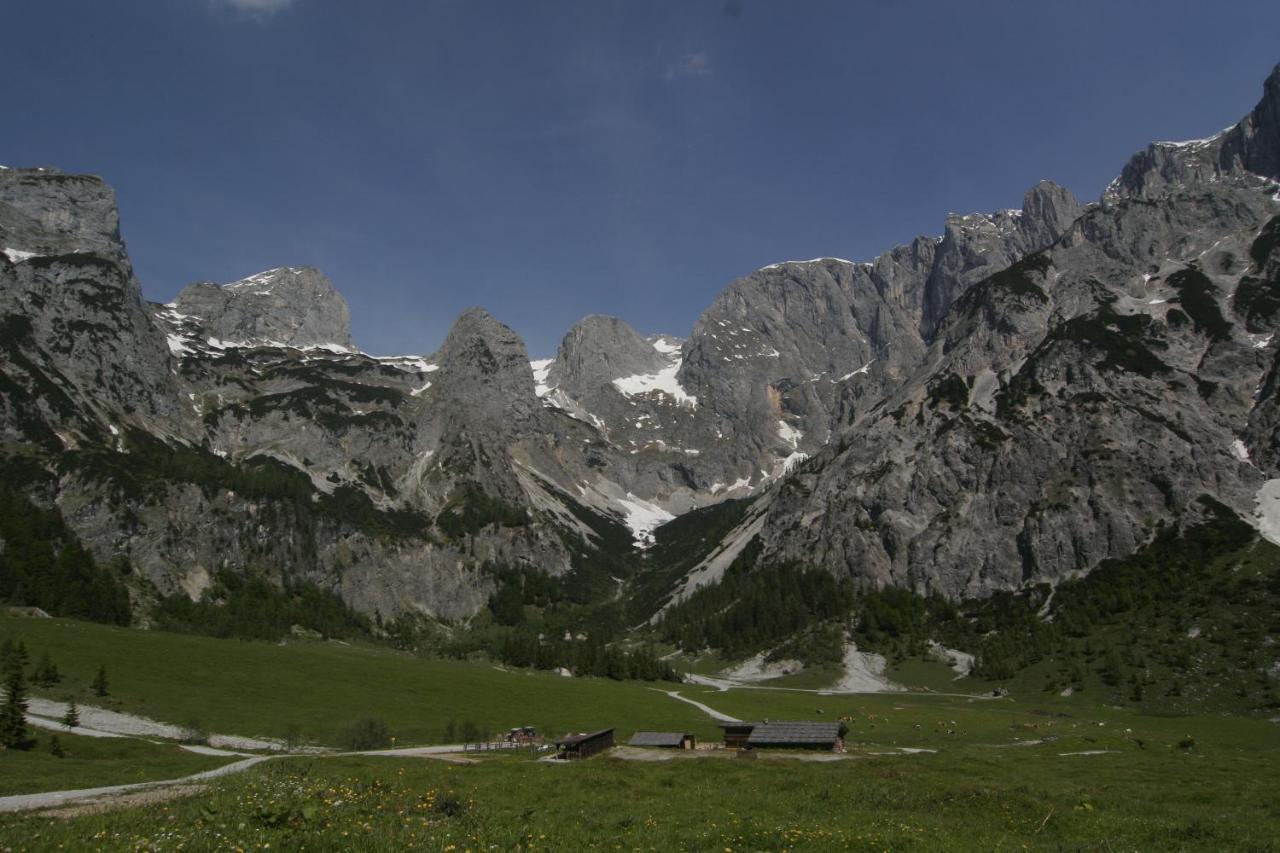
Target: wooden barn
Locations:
point(584, 745)
point(665, 740)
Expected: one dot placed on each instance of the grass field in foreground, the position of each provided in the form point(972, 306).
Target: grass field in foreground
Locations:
point(964, 798)
point(94, 762)
point(1037, 773)
point(261, 689)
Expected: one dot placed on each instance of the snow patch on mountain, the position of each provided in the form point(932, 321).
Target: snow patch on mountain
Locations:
point(1266, 516)
point(663, 381)
point(641, 517)
point(541, 368)
point(17, 256)
point(414, 363)
point(262, 282)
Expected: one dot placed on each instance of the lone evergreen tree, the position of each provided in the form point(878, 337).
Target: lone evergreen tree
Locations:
point(100, 684)
point(55, 746)
point(71, 719)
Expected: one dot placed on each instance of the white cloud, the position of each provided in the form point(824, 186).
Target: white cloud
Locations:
point(689, 65)
point(261, 8)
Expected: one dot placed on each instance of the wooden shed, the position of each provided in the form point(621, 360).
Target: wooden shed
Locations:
point(796, 735)
point(665, 740)
point(584, 745)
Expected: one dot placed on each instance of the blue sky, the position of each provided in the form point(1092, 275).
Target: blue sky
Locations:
point(547, 160)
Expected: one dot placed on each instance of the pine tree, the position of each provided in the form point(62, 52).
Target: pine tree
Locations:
point(55, 746)
point(13, 656)
point(100, 684)
point(13, 711)
point(71, 719)
point(46, 672)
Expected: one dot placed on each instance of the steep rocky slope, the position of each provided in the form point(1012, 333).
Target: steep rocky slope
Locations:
point(1072, 404)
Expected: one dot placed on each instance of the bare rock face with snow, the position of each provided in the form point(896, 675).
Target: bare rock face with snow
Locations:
point(1119, 380)
point(289, 306)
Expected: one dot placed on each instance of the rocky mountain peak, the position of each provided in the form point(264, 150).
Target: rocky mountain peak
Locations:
point(482, 353)
point(293, 306)
point(977, 245)
point(1255, 142)
point(598, 350)
point(1250, 146)
point(45, 211)
point(1047, 211)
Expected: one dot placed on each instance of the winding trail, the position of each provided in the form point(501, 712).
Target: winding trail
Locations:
point(112, 724)
point(26, 802)
point(49, 799)
point(706, 709)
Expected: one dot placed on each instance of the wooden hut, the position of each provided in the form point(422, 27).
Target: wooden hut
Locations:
point(796, 735)
point(736, 733)
point(664, 740)
point(584, 745)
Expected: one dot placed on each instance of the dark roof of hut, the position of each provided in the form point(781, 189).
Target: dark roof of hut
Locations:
point(574, 740)
point(798, 733)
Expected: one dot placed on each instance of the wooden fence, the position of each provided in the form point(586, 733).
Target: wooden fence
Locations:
point(486, 746)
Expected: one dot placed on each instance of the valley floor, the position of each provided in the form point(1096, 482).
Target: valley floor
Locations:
point(922, 771)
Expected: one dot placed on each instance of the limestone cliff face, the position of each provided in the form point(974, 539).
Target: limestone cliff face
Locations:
point(1071, 404)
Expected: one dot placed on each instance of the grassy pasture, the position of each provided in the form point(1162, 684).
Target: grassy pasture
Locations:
point(261, 689)
point(966, 798)
point(1021, 772)
point(95, 762)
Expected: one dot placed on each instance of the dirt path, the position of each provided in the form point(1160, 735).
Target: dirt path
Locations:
point(706, 709)
point(104, 723)
point(26, 802)
point(122, 796)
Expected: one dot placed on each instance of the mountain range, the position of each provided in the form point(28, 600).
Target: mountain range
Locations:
point(1011, 403)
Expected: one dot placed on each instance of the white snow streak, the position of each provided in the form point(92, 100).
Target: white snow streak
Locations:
point(866, 368)
point(18, 256)
point(178, 346)
point(810, 261)
point(789, 434)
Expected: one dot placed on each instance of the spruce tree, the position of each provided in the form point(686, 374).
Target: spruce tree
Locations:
point(13, 711)
point(13, 656)
point(99, 684)
point(71, 719)
point(46, 672)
